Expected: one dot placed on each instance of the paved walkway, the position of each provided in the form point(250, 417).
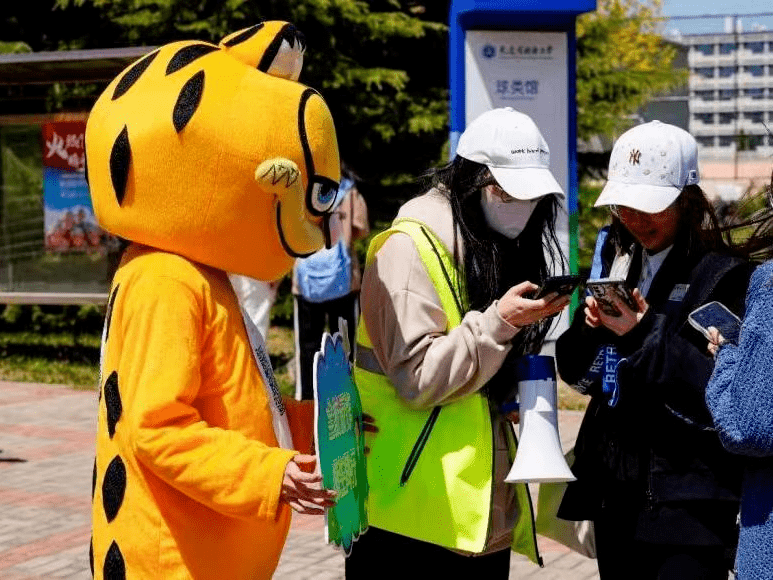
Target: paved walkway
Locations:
point(47, 443)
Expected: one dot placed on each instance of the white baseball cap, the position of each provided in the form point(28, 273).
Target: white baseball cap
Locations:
point(512, 147)
point(649, 167)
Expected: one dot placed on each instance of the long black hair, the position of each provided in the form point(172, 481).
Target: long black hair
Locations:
point(493, 263)
point(698, 226)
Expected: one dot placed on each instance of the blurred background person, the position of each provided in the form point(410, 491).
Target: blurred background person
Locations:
point(326, 285)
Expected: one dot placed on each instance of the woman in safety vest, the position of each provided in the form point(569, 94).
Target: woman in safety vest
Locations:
point(445, 309)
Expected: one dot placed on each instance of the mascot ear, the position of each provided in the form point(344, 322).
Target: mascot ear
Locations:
point(274, 47)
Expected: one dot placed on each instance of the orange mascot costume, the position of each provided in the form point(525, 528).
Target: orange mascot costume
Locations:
point(209, 159)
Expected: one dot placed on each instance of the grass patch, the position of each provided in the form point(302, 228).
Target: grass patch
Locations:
point(55, 358)
point(281, 350)
point(569, 399)
point(80, 376)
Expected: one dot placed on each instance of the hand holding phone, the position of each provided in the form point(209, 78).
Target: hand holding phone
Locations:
point(605, 290)
point(561, 285)
point(717, 315)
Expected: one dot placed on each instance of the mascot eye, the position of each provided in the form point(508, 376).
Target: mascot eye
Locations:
point(322, 194)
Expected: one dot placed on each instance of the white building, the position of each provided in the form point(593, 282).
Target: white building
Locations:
point(730, 102)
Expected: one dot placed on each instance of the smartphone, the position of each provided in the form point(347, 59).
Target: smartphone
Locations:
point(605, 290)
point(559, 284)
point(717, 315)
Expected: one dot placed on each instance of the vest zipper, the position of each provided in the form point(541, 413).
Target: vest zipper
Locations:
point(418, 447)
point(493, 469)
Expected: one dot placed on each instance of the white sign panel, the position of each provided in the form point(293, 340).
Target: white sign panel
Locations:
point(528, 72)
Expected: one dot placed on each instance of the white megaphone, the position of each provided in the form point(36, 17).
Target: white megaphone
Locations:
point(539, 457)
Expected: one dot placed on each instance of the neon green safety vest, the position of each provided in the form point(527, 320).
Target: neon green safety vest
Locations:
point(430, 471)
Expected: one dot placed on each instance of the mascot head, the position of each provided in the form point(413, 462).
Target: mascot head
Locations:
point(216, 153)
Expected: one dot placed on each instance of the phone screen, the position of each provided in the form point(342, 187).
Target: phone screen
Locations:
point(717, 315)
point(604, 292)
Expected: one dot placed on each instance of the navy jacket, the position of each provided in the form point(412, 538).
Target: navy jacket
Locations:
point(658, 443)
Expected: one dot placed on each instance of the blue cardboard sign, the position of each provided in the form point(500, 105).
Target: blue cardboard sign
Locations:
point(340, 442)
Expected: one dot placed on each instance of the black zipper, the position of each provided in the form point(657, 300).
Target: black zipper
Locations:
point(421, 442)
point(418, 447)
point(445, 272)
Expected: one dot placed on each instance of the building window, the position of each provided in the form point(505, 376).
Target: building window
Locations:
point(704, 49)
point(726, 118)
point(706, 118)
point(726, 94)
point(726, 71)
point(755, 47)
point(706, 72)
point(755, 94)
point(726, 140)
point(705, 141)
point(755, 141)
point(727, 47)
point(704, 95)
point(756, 70)
point(755, 116)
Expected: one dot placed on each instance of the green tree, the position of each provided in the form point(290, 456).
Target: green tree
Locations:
point(380, 64)
point(622, 61)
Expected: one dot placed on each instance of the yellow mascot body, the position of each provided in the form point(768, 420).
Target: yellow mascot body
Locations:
point(209, 162)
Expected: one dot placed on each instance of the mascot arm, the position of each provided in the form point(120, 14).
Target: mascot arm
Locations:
point(161, 352)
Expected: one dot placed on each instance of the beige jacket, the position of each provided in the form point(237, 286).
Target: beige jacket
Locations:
point(428, 365)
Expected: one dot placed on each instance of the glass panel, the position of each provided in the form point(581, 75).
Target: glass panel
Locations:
point(705, 49)
point(25, 264)
point(755, 47)
point(727, 47)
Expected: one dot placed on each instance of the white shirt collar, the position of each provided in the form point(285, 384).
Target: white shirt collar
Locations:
point(651, 263)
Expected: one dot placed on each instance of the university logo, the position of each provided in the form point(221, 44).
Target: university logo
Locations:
point(489, 51)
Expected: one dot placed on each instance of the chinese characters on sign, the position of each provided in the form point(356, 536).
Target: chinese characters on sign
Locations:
point(340, 442)
point(510, 89)
point(529, 51)
point(345, 473)
point(339, 415)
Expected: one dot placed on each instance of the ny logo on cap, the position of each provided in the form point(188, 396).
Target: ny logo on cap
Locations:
point(635, 157)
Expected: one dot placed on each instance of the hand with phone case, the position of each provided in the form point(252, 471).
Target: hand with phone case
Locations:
point(517, 307)
point(561, 285)
point(717, 324)
point(612, 305)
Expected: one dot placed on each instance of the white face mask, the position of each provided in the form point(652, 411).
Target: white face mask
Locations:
point(509, 218)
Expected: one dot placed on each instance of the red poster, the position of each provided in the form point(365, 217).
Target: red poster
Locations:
point(64, 145)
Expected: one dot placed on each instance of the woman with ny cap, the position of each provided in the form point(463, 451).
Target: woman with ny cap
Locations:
point(651, 472)
point(445, 308)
